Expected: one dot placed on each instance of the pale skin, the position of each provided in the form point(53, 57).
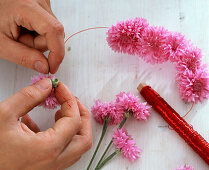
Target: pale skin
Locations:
point(22, 144)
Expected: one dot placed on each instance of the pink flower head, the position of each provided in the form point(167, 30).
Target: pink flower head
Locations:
point(177, 44)
point(39, 77)
point(126, 144)
point(125, 35)
point(154, 45)
point(194, 87)
point(185, 167)
point(51, 101)
point(106, 110)
point(141, 111)
point(120, 137)
point(128, 102)
point(191, 60)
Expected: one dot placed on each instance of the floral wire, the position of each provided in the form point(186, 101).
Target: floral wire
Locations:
point(169, 127)
point(189, 110)
point(82, 31)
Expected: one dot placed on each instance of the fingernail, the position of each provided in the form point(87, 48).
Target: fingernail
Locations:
point(41, 67)
point(44, 84)
point(76, 97)
point(54, 70)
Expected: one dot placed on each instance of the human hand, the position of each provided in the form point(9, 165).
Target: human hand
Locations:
point(28, 28)
point(23, 146)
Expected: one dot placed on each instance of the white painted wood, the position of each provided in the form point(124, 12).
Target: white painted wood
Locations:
point(92, 70)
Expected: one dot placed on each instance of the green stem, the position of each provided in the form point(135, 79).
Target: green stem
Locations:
point(107, 159)
point(99, 143)
point(104, 153)
point(123, 122)
point(120, 126)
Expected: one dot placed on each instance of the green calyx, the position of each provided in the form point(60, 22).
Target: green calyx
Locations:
point(127, 114)
point(118, 151)
point(54, 82)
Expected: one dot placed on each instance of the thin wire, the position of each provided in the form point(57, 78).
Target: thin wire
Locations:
point(62, 96)
point(169, 127)
point(83, 31)
point(189, 110)
point(65, 43)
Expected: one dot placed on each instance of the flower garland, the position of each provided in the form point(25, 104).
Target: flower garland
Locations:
point(157, 45)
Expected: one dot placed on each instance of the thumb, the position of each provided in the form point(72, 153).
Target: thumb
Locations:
point(26, 99)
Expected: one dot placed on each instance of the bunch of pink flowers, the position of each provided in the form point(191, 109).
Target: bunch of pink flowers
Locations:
point(116, 113)
point(115, 110)
point(157, 45)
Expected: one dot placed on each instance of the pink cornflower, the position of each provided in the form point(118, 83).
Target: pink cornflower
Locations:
point(154, 45)
point(177, 44)
point(141, 111)
point(126, 144)
point(127, 102)
point(51, 101)
point(106, 110)
point(126, 35)
point(185, 167)
point(39, 77)
point(194, 87)
point(191, 60)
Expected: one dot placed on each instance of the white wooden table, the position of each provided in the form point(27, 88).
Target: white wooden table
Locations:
point(92, 70)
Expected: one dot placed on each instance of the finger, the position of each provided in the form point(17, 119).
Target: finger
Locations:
point(58, 115)
point(47, 6)
point(80, 143)
point(86, 129)
point(23, 55)
point(26, 99)
point(66, 127)
point(46, 25)
point(48, 3)
point(74, 157)
point(76, 148)
point(26, 119)
point(37, 42)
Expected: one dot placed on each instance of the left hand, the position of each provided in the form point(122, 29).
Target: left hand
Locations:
point(27, 29)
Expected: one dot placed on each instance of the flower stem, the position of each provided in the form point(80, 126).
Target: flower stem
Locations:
point(104, 153)
point(120, 126)
point(99, 143)
point(107, 159)
point(123, 122)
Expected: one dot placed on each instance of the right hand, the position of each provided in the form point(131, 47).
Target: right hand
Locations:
point(23, 146)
